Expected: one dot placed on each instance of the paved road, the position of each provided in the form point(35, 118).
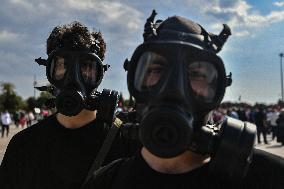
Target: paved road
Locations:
point(273, 147)
point(5, 140)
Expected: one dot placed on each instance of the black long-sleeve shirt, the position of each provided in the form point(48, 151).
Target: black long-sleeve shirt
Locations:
point(48, 155)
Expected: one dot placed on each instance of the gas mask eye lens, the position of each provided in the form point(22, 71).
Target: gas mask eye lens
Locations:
point(153, 75)
point(58, 66)
point(89, 70)
point(150, 69)
point(202, 79)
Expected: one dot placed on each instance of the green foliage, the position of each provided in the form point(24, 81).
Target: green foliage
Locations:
point(9, 100)
point(39, 102)
point(31, 103)
point(44, 96)
point(126, 103)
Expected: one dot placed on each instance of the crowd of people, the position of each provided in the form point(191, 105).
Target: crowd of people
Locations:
point(21, 118)
point(268, 119)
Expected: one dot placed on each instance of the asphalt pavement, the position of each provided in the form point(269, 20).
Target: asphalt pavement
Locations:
point(272, 146)
point(5, 140)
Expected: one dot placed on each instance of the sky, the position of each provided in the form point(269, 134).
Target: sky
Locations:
point(251, 53)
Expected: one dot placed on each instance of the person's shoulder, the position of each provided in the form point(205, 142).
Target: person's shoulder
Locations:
point(27, 141)
point(32, 132)
point(261, 156)
point(266, 170)
point(103, 177)
point(266, 163)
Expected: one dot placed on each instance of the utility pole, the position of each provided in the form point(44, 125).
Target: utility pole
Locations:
point(34, 84)
point(281, 74)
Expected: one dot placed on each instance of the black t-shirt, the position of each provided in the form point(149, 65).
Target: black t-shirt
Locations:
point(48, 155)
point(266, 171)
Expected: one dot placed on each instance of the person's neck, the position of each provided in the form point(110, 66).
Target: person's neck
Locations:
point(74, 122)
point(183, 163)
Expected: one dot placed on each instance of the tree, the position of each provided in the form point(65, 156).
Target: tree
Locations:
point(43, 98)
point(9, 100)
point(31, 103)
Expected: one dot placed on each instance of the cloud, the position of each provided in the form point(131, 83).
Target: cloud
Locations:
point(109, 12)
point(279, 3)
point(106, 12)
point(12, 64)
point(118, 21)
point(239, 15)
point(7, 36)
point(243, 33)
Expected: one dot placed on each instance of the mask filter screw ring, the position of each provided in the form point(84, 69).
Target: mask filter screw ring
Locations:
point(165, 132)
point(69, 103)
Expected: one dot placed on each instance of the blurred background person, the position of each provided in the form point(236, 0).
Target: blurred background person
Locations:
point(6, 122)
point(260, 121)
point(273, 118)
point(280, 127)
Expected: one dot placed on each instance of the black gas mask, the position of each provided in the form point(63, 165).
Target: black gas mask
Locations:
point(179, 79)
point(178, 83)
point(75, 74)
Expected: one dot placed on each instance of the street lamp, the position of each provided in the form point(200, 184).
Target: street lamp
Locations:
point(34, 84)
point(281, 73)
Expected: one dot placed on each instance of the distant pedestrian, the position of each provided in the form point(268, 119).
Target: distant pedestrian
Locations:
point(30, 118)
point(44, 113)
point(233, 113)
point(260, 121)
point(6, 122)
point(273, 118)
point(218, 115)
point(242, 114)
point(16, 117)
point(23, 119)
point(280, 127)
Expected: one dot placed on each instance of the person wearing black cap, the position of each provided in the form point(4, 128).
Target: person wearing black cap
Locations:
point(59, 151)
point(177, 79)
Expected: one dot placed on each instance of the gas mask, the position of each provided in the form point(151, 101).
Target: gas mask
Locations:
point(178, 83)
point(179, 79)
point(76, 73)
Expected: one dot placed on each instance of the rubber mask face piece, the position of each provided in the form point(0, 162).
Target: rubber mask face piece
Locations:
point(76, 74)
point(174, 84)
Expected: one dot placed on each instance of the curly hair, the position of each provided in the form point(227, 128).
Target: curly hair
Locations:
point(75, 35)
